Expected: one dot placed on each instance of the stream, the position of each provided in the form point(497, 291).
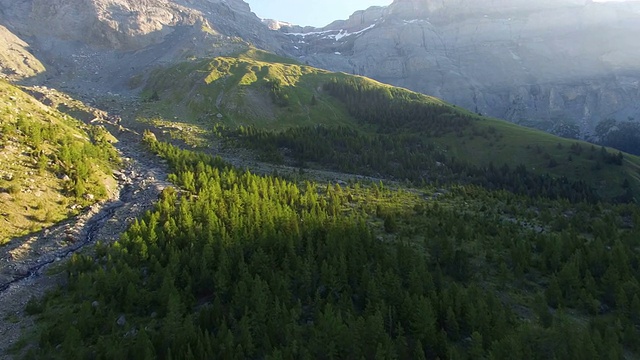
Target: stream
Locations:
point(91, 229)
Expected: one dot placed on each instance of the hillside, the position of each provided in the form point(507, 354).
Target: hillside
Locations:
point(236, 264)
point(51, 165)
point(258, 207)
point(252, 89)
point(547, 64)
point(436, 140)
point(435, 232)
point(16, 62)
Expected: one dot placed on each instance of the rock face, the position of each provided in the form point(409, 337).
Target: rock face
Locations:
point(102, 44)
point(533, 62)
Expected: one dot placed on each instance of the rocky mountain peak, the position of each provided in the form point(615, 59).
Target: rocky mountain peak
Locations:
point(106, 42)
point(123, 24)
point(422, 9)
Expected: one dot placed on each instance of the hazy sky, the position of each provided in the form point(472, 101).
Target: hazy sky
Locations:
point(314, 12)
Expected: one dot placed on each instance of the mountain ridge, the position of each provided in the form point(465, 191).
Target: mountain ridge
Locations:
point(535, 64)
point(535, 67)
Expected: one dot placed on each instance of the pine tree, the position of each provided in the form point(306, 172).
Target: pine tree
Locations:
point(143, 348)
point(553, 293)
point(418, 352)
point(477, 348)
point(635, 309)
point(545, 318)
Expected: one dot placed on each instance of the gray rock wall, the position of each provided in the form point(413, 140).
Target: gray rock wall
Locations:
point(535, 63)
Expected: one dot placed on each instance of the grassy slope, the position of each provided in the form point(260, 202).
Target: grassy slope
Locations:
point(535, 149)
point(238, 89)
point(16, 60)
point(33, 196)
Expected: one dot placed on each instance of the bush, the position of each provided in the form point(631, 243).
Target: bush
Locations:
point(34, 306)
point(14, 189)
point(390, 224)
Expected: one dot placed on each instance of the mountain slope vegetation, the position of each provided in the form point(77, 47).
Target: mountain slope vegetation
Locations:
point(372, 128)
point(468, 237)
point(401, 226)
point(254, 88)
point(249, 266)
point(51, 165)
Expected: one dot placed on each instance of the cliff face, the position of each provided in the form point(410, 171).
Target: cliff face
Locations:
point(131, 24)
point(537, 63)
point(101, 44)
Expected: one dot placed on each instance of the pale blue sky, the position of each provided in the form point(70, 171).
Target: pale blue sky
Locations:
point(310, 12)
point(313, 12)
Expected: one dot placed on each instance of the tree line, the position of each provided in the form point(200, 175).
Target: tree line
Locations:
point(236, 265)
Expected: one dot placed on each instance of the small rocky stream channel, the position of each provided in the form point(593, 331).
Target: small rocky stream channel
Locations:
point(23, 263)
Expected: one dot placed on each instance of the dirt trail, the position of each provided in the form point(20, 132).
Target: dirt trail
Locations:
point(23, 266)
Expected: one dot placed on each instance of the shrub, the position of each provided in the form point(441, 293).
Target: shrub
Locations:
point(34, 306)
point(14, 189)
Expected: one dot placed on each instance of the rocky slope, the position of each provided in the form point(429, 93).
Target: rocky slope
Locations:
point(92, 46)
point(537, 63)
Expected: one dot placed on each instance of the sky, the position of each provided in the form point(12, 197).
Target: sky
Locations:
point(310, 12)
point(314, 12)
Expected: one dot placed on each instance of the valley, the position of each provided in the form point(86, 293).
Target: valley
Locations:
point(179, 181)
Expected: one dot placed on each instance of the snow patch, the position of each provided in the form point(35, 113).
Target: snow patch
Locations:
point(311, 33)
point(331, 34)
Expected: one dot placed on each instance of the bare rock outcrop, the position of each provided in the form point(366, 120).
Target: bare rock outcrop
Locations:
point(99, 45)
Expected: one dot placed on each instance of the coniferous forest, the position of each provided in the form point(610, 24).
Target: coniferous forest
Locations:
point(230, 264)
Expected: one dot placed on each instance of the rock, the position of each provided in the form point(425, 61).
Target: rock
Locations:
point(525, 61)
point(122, 320)
point(101, 39)
point(89, 197)
point(22, 270)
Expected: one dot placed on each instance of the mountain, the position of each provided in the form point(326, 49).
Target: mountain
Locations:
point(272, 209)
point(561, 66)
point(91, 46)
point(416, 137)
point(541, 63)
